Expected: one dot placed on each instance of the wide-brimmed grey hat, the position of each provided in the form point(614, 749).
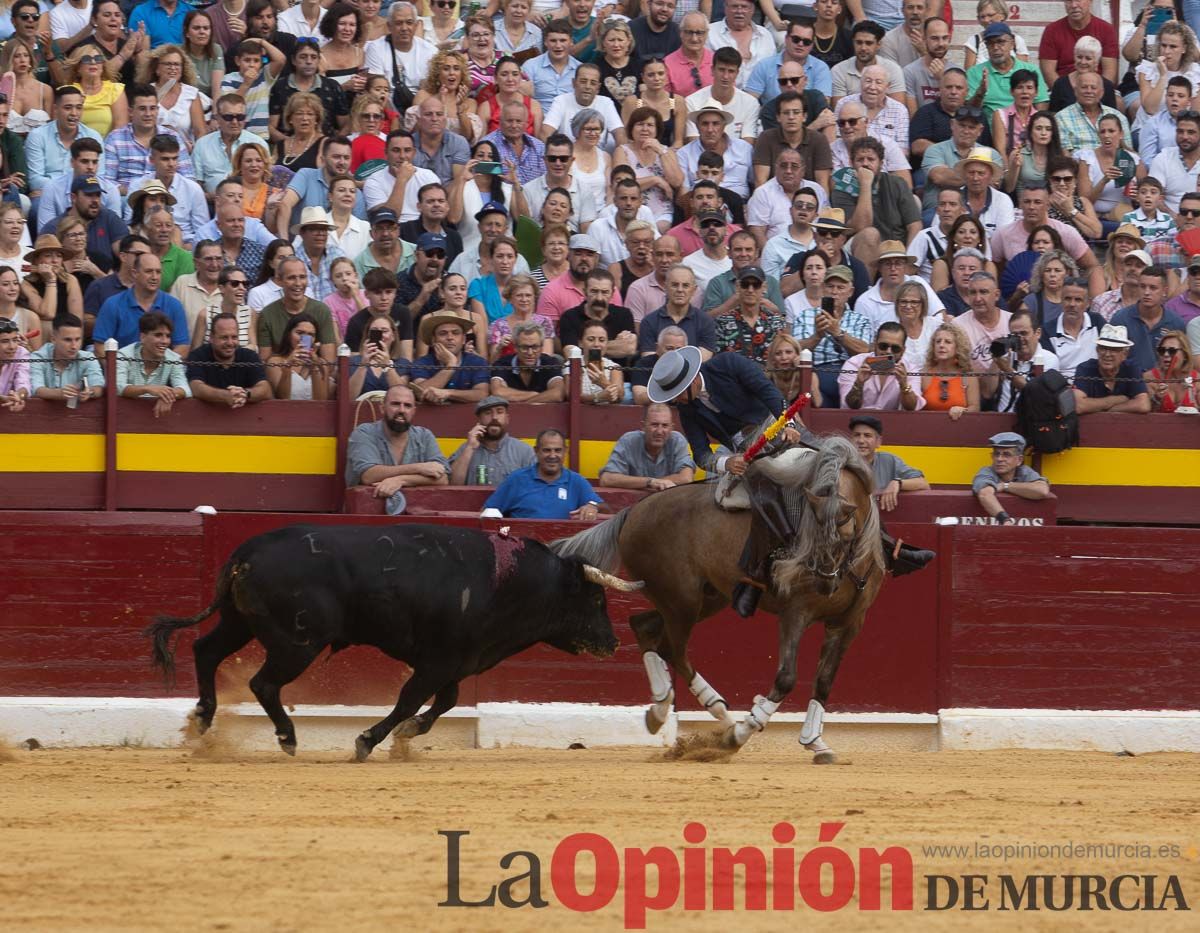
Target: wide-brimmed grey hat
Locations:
point(673, 373)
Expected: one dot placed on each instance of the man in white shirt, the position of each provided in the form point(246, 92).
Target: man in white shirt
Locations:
point(609, 231)
point(69, 19)
point(401, 52)
point(585, 93)
point(711, 260)
point(1013, 371)
point(560, 156)
point(930, 243)
point(797, 238)
point(396, 186)
point(769, 212)
point(878, 303)
point(303, 20)
point(847, 75)
point(738, 155)
point(1073, 334)
point(724, 93)
point(736, 31)
point(1178, 166)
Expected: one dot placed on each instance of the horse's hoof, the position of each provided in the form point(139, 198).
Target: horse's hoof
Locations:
point(653, 723)
point(288, 747)
point(408, 729)
point(729, 739)
point(362, 749)
point(825, 758)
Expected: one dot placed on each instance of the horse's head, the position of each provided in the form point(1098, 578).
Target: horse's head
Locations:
point(837, 521)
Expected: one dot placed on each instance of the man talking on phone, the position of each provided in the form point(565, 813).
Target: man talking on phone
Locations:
point(490, 453)
point(877, 379)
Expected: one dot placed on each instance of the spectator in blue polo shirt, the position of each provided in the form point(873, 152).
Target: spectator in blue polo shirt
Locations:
point(104, 228)
point(1110, 382)
point(163, 19)
point(120, 316)
point(546, 489)
point(448, 373)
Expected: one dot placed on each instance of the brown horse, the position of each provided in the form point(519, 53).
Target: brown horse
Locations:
point(685, 548)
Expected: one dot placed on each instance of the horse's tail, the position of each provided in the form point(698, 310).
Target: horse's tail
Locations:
point(162, 630)
point(596, 545)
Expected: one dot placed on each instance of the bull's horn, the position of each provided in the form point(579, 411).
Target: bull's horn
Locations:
point(596, 575)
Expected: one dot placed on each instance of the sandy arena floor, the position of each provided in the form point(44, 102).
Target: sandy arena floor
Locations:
point(128, 839)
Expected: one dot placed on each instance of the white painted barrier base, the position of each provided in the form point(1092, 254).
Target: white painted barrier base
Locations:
point(146, 723)
point(1136, 731)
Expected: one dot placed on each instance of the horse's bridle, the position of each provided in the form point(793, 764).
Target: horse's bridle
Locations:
point(844, 567)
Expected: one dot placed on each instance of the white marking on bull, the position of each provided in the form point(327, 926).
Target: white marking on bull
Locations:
point(466, 599)
point(391, 551)
point(311, 538)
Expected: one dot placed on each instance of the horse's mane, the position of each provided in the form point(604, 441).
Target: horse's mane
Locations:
point(817, 539)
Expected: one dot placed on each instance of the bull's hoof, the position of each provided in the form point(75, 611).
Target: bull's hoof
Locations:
point(201, 721)
point(362, 748)
point(825, 758)
point(288, 747)
point(408, 729)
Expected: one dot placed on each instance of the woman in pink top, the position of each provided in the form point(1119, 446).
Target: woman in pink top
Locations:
point(14, 368)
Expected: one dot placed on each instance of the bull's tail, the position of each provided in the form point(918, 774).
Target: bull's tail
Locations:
point(162, 630)
point(597, 545)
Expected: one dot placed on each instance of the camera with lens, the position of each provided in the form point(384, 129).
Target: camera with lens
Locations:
point(1008, 344)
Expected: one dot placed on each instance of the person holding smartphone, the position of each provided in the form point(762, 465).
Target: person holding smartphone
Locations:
point(603, 382)
point(295, 369)
point(878, 378)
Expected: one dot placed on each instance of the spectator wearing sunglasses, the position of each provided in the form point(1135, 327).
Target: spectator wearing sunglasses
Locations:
point(26, 16)
point(212, 157)
point(1172, 381)
point(104, 105)
point(797, 47)
point(877, 379)
point(817, 115)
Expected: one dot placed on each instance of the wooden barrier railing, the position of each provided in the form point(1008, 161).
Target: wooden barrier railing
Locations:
point(290, 455)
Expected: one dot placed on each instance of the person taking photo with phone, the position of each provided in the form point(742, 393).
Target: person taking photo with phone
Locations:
point(878, 379)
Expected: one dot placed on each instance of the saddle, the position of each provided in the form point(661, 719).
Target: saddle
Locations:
point(788, 468)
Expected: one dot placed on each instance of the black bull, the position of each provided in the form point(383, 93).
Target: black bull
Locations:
point(448, 602)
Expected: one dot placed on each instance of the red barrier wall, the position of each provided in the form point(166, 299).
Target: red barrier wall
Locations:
point(1016, 617)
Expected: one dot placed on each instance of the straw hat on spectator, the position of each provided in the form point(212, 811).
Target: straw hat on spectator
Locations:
point(1131, 232)
point(1115, 337)
point(46, 243)
point(153, 186)
point(894, 249)
point(982, 155)
point(432, 322)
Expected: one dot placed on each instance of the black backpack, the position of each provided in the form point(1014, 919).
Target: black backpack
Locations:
point(1046, 415)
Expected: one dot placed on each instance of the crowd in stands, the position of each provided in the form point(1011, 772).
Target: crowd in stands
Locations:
point(470, 197)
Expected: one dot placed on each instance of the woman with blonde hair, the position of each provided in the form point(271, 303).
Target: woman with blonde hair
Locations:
point(180, 103)
point(449, 79)
point(514, 32)
point(948, 383)
point(521, 293)
point(367, 141)
point(1124, 239)
point(1172, 382)
point(783, 369)
point(30, 100)
point(620, 67)
point(13, 229)
point(1176, 54)
point(302, 117)
point(105, 107)
point(1046, 279)
point(252, 163)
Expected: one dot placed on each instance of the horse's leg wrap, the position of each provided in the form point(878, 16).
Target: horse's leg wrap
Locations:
point(814, 723)
point(756, 720)
point(712, 701)
point(658, 674)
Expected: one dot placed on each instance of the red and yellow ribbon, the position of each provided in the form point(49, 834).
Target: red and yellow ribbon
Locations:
point(776, 426)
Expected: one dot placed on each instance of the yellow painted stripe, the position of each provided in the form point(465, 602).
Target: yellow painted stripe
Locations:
point(225, 453)
point(1123, 466)
point(955, 465)
point(51, 453)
